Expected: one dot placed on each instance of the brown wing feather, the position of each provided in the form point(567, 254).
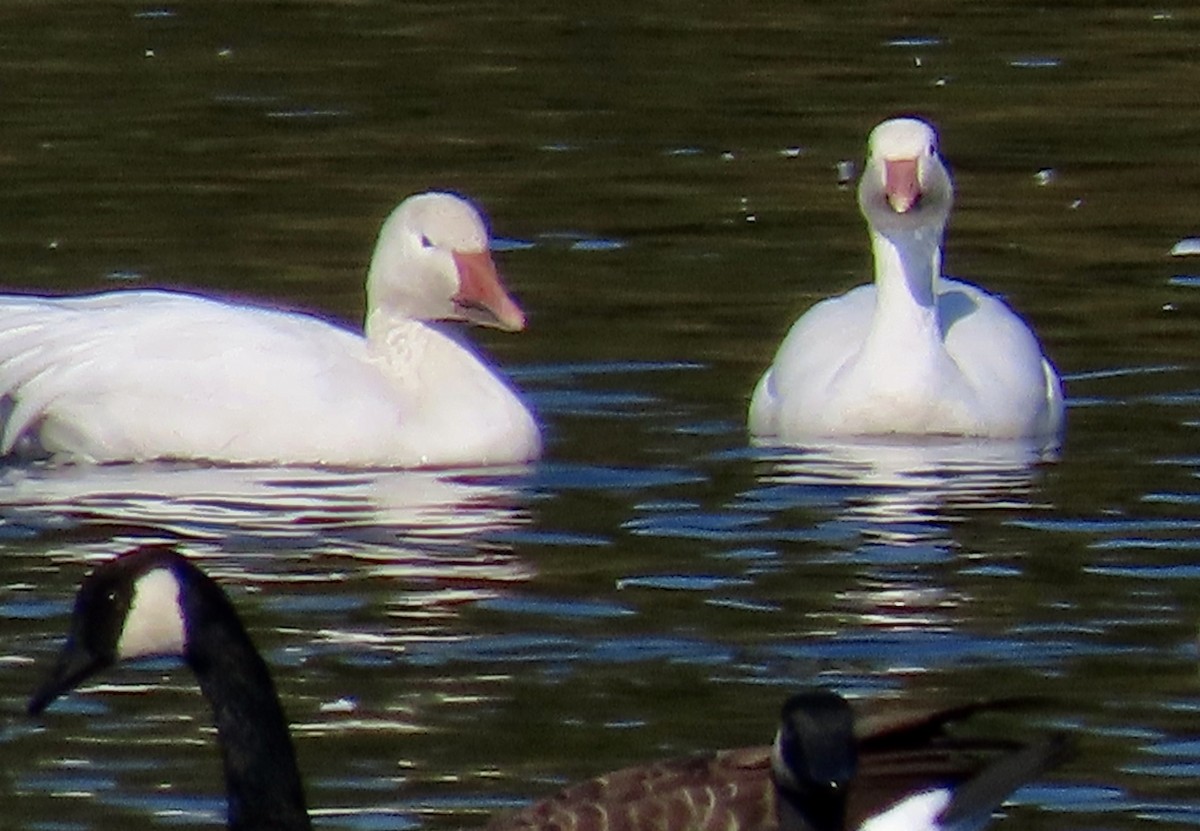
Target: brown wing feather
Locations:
point(723, 791)
point(901, 750)
point(892, 724)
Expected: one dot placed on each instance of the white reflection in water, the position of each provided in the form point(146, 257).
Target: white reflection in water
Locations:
point(410, 524)
point(904, 493)
point(902, 498)
point(196, 499)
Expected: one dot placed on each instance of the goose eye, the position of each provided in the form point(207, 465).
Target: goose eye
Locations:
point(426, 242)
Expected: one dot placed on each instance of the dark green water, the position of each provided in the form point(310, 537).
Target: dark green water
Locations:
point(663, 182)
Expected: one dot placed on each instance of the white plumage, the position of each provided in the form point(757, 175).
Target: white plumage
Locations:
point(138, 375)
point(914, 353)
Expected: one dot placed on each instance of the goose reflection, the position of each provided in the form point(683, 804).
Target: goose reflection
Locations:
point(904, 492)
point(410, 524)
point(907, 594)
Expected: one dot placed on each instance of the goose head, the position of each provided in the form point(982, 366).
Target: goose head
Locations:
point(153, 601)
point(129, 609)
point(432, 262)
point(813, 760)
point(905, 187)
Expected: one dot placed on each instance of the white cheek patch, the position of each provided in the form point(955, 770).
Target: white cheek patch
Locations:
point(154, 623)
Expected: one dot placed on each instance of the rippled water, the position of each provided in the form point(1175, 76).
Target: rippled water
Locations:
point(664, 185)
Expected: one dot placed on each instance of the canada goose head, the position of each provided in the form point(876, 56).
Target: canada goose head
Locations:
point(128, 609)
point(433, 262)
point(813, 760)
point(153, 601)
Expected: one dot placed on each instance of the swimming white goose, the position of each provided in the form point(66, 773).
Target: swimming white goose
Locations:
point(914, 353)
point(828, 769)
point(139, 375)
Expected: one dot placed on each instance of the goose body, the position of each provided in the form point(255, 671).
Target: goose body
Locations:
point(140, 375)
point(828, 769)
point(907, 780)
point(914, 353)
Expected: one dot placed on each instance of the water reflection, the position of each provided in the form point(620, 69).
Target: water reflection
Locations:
point(391, 520)
point(905, 493)
point(909, 584)
point(250, 153)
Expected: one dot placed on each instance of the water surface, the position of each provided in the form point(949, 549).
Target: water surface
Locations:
point(664, 185)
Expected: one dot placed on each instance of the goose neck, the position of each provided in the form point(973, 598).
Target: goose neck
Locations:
point(385, 330)
point(261, 776)
point(907, 269)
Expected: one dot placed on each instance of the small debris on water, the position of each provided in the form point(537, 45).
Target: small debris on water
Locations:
point(845, 172)
point(747, 214)
point(1035, 63)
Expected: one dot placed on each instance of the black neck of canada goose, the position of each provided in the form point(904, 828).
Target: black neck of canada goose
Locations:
point(262, 779)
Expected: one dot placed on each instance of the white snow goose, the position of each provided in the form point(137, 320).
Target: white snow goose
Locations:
point(129, 376)
point(915, 353)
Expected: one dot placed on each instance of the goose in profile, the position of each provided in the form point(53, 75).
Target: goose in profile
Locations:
point(153, 601)
point(127, 376)
point(829, 768)
point(914, 353)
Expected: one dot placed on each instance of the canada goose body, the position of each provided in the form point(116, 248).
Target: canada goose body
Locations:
point(828, 770)
point(911, 780)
